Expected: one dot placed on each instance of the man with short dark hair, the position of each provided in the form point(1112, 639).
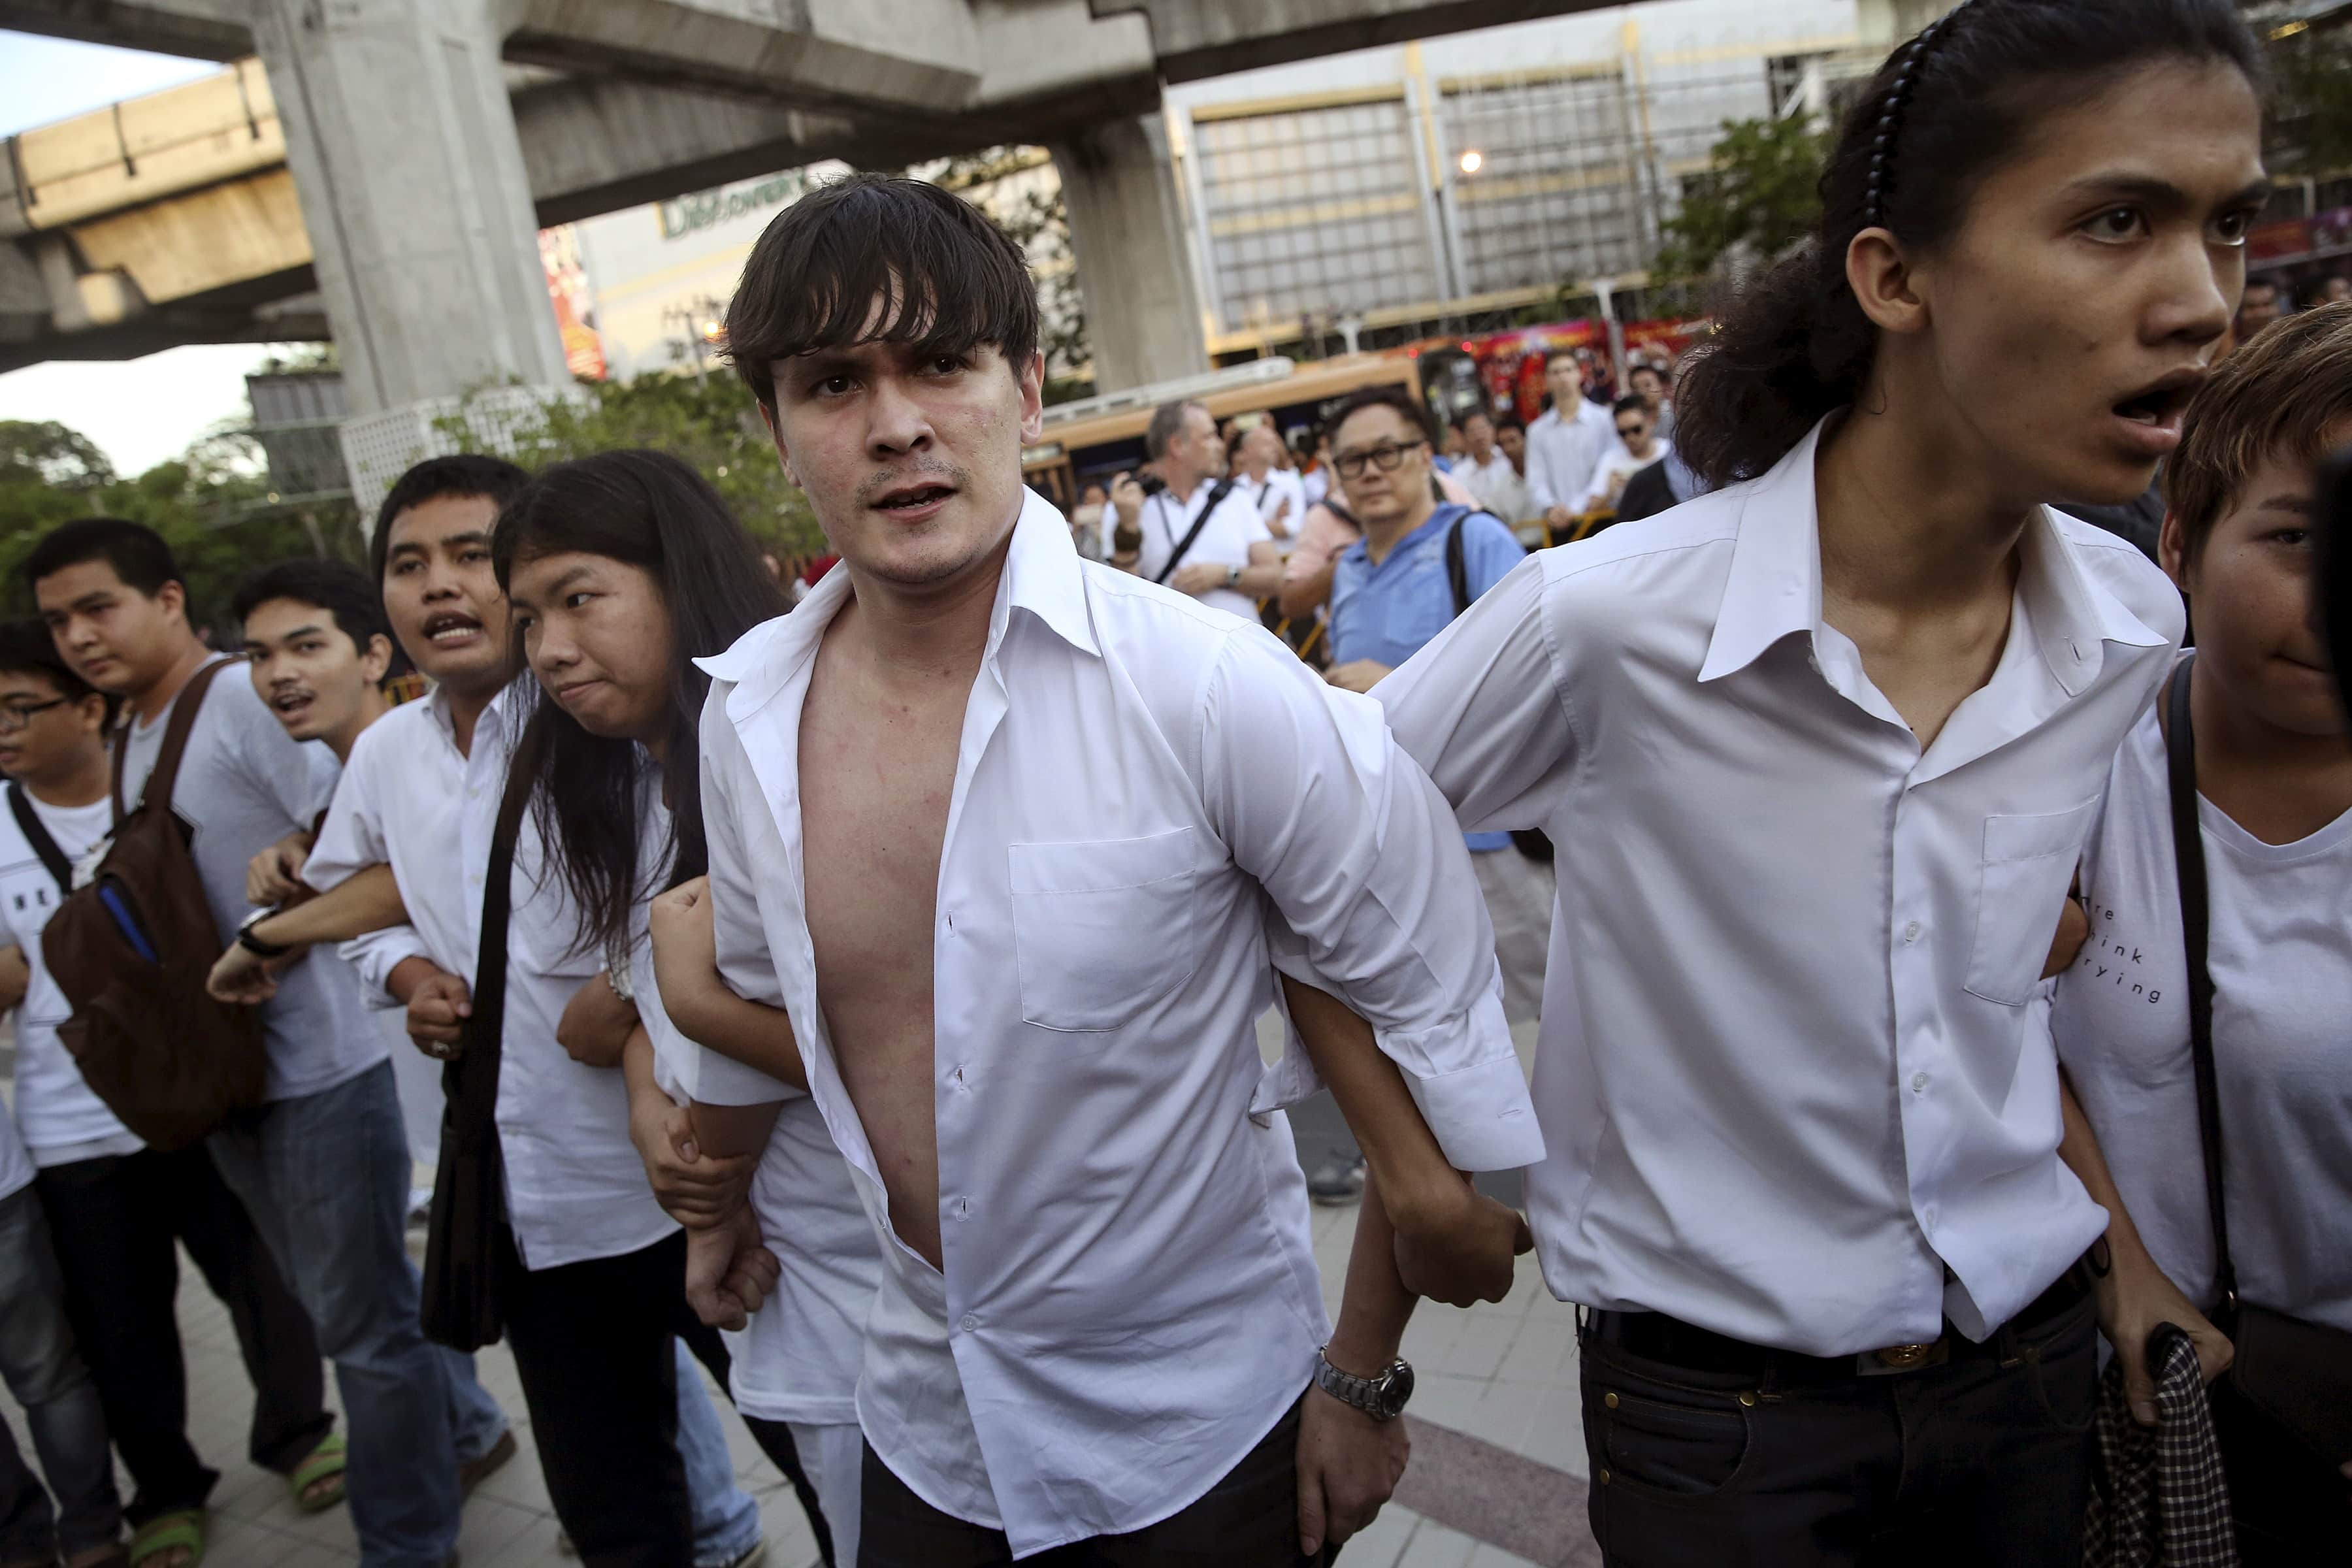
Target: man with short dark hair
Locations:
point(1202, 534)
point(322, 1164)
point(1564, 444)
point(999, 830)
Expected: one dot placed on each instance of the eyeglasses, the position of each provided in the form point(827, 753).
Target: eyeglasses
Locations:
point(1384, 457)
point(16, 715)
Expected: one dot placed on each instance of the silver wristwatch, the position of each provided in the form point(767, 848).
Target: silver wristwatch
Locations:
point(1382, 1398)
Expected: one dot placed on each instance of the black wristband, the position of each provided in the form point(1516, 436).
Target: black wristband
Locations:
point(256, 945)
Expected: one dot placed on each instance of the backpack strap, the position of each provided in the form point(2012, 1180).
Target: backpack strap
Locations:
point(2189, 855)
point(36, 833)
point(1457, 570)
point(167, 772)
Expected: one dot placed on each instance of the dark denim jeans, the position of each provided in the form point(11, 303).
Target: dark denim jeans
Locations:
point(115, 1221)
point(325, 1177)
point(1985, 1459)
point(46, 1373)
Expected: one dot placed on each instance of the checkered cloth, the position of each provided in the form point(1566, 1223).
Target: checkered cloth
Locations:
point(2158, 1497)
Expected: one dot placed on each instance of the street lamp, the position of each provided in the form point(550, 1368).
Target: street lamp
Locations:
point(1472, 161)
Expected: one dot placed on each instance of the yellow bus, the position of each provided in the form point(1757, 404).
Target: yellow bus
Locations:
point(1091, 440)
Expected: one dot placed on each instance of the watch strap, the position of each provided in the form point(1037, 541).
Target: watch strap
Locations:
point(256, 945)
point(1377, 1398)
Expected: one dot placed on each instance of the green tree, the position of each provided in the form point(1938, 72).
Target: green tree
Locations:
point(1758, 198)
point(711, 423)
point(210, 505)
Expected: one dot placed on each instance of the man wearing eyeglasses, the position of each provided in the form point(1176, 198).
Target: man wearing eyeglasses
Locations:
point(1395, 589)
point(1202, 534)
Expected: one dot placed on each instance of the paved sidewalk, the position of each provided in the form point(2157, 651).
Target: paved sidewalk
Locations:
point(1499, 1447)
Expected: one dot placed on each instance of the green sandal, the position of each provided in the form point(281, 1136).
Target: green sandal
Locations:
point(326, 1463)
point(182, 1531)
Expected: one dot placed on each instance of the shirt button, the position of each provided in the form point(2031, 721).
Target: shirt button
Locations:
point(1918, 1083)
point(971, 1324)
point(1927, 1222)
point(1911, 933)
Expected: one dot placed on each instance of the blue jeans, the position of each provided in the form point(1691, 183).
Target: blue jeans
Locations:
point(726, 1519)
point(326, 1177)
point(38, 1361)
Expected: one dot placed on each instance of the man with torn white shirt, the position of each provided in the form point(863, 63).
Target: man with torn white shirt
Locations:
point(1031, 1032)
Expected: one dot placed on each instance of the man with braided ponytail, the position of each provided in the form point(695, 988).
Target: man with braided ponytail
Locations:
point(1820, 751)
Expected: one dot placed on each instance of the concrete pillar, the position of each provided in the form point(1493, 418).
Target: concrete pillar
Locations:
point(404, 152)
point(1134, 261)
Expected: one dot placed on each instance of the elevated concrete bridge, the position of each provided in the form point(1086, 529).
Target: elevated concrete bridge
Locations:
point(375, 170)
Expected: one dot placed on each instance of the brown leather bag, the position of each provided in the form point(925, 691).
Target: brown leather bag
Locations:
point(131, 950)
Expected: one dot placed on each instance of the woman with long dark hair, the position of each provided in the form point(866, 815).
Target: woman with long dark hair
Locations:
point(624, 568)
point(1820, 751)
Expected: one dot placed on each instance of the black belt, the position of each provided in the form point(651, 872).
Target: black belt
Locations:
point(1654, 1336)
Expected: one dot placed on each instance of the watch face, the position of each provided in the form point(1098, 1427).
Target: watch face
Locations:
point(1396, 1388)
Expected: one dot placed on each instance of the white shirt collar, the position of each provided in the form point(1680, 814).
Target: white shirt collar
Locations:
point(1043, 576)
point(1774, 588)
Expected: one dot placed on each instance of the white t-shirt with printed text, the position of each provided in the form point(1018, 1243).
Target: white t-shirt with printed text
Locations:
point(2280, 950)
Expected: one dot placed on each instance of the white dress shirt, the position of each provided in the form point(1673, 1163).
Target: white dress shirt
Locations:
point(1225, 541)
point(1129, 1299)
point(1785, 1070)
point(1562, 451)
point(575, 1187)
point(1497, 486)
point(15, 1166)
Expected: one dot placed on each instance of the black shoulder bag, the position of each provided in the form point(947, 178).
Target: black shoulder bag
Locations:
point(1224, 488)
point(2295, 1375)
point(36, 833)
point(461, 1306)
point(1531, 842)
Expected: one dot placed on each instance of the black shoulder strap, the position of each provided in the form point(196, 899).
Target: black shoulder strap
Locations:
point(166, 771)
point(2188, 853)
point(1223, 487)
point(1342, 513)
point(36, 833)
point(1457, 570)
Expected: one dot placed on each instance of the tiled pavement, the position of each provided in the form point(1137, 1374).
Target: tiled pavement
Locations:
point(1502, 1375)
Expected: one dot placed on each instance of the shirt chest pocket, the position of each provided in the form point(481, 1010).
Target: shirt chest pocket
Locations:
point(1102, 928)
point(2029, 863)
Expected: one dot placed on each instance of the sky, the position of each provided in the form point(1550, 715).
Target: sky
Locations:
point(140, 412)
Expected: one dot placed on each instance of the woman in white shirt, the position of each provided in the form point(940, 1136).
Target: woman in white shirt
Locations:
point(2274, 778)
point(628, 570)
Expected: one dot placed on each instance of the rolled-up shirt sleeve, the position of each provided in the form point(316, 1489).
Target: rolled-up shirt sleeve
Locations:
point(352, 840)
point(729, 786)
point(1363, 864)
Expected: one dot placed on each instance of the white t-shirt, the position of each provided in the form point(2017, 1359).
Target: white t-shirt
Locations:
point(1617, 460)
point(1231, 529)
point(59, 1117)
point(2280, 950)
point(15, 1170)
point(243, 784)
point(798, 1359)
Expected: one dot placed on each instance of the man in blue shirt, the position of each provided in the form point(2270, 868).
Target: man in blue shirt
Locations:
point(1392, 592)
